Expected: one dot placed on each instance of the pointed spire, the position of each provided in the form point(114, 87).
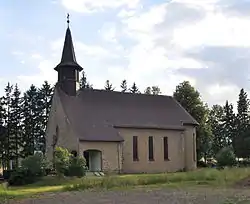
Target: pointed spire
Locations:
point(68, 53)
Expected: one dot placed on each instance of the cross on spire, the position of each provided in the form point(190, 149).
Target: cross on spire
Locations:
point(68, 19)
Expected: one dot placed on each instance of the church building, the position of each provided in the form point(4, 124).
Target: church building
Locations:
point(118, 132)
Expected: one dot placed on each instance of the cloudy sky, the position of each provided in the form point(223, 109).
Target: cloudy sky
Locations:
point(151, 42)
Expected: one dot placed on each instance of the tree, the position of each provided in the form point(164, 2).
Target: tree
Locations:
point(242, 126)
point(124, 86)
point(62, 160)
point(216, 115)
point(15, 125)
point(3, 137)
point(228, 124)
point(108, 86)
point(226, 157)
point(134, 89)
point(148, 90)
point(7, 120)
point(31, 122)
point(83, 81)
point(45, 94)
point(156, 90)
point(190, 99)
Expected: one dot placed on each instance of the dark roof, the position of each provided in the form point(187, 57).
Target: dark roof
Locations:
point(95, 114)
point(68, 54)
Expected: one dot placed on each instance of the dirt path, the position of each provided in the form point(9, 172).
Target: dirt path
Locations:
point(144, 196)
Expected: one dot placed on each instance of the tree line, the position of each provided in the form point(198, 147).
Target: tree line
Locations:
point(23, 119)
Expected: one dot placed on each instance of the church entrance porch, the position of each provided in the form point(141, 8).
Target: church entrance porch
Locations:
point(93, 160)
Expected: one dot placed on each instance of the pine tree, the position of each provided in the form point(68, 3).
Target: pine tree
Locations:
point(44, 105)
point(124, 86)
point(216, 115)
point(83, 81)
point(228, 124)
point(241, 142)
point(15, 128)
point(7, 120)
point(3, 138)
point(31, 123)
point(108, 86)
point(134, 89)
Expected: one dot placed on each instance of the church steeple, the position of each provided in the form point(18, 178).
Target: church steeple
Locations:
point(68, 69)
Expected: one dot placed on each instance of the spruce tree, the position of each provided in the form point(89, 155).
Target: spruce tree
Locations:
point(228, 124)
point(241, 142)
point(15, 128)
point(8, 120)
point(216, 115)
point(124, 86)
point(31, 123)
point(134, 89)
point(44, 105)
point(108, 86)
point(83, 81)
point(3, 138)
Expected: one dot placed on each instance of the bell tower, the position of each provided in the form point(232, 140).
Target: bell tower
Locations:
point(68, 69)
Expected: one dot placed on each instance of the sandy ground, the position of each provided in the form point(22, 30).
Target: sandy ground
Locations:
point(144, 196)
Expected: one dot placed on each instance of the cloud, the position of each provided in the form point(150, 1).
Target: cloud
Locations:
point(89, 6)
point(205, 42)
point(235, 7)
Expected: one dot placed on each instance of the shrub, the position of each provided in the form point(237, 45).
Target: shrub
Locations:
point(62, 160)
point(226, 157)
point(77, 167)
point(36, 164)
point(21, 176)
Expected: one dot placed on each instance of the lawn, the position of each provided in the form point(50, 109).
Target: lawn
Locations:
point(202, 177)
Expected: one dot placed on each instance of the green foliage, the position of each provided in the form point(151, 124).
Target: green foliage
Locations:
point(61, 160)
point(33, 167)
point(154, 90)
point(134, 88)
point(242, 138)
point(35, 164)
point(77, 166)
point(190, 99)
point(226, 157)
point(83, 81)
point(206, 176)
point(124, 86)
point(22, 176)
point(216, 115)
point(108, 86)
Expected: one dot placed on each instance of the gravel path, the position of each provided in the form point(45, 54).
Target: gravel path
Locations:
point(144, 196)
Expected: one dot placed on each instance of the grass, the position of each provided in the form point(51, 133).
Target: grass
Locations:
point(202, 177)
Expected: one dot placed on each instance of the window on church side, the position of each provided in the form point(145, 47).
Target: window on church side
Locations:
point(165, 148)
point(150, 148)
point(135, 148)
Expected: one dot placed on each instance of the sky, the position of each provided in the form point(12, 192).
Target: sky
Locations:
point(150, 42)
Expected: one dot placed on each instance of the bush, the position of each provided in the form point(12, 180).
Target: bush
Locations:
point(62, 161)
point(21, 176)
point(32, 168)
point(36, 164)
point(77, 167)
point(226, 157)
